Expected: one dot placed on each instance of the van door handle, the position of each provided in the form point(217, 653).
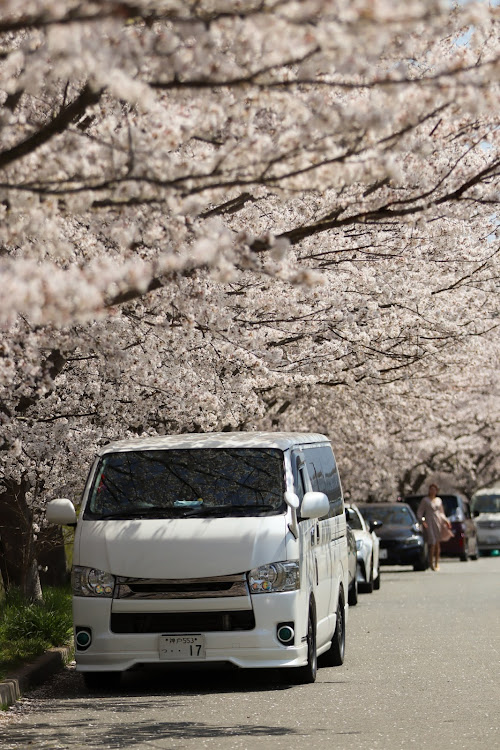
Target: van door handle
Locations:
point(313, 536)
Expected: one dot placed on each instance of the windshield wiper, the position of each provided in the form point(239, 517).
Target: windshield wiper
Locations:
point(213, 510)
point(154, 512)
point(185, 512)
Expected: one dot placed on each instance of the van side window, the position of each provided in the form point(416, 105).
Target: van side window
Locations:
point(333, 490)
point(300, 481)
point(316, 470)
point(304, 479)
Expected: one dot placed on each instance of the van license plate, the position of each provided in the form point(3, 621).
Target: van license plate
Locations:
point(182, 647)
point(383, 554)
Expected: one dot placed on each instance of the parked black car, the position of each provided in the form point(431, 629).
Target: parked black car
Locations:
point(401, 536)
point(463, 543)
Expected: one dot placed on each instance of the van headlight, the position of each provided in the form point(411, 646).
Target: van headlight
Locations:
point(277, 576)
point(91, 582)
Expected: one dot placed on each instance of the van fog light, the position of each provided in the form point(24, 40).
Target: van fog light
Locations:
point(83, 638)
point(286, 633)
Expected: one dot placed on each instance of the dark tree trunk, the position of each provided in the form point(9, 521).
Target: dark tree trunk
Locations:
point(18, 563)
point(51, 557)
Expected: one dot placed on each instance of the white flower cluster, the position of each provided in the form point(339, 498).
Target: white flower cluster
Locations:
point(243, 215)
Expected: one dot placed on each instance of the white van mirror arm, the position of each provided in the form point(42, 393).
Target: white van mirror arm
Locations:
point(293, 503)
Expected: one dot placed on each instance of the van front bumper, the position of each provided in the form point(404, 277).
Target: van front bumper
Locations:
point(257, 647)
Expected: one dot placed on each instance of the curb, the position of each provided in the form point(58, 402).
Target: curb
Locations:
point(52, 661)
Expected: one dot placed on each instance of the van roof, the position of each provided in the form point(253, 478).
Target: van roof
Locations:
point(488, 491)
point(281, 440)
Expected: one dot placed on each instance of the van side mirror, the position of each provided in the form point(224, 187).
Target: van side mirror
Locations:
point(314, 505)
point(62, 512)
point(375, 525)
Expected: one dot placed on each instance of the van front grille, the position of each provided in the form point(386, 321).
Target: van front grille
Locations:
point(488, 524)
point(187, 588)
point(181, 622)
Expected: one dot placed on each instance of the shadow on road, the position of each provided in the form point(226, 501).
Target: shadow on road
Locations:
point(142, 709)
point(196, 681)
point(132, 733)
point(116, 719)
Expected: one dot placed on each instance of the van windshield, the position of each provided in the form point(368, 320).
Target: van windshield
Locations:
point(188, 483)
point(486, 503)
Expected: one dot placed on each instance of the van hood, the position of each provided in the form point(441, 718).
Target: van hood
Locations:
point(487, 517)
point(181, 548)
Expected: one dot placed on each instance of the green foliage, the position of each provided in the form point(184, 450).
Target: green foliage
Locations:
point(29, 629)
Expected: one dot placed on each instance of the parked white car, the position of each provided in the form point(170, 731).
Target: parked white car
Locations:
point(367, 549)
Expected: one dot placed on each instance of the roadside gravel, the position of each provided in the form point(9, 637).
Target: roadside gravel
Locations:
point(16, 685)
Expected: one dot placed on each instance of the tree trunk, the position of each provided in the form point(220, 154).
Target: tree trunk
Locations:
point(18, 564)
point(51, 557)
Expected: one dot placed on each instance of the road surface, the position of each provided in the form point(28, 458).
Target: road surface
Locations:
point(422, 671)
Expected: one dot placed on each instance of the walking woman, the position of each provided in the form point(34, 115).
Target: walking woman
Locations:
point(431, 514)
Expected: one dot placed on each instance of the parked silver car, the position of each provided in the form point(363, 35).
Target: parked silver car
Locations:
point(367, 549)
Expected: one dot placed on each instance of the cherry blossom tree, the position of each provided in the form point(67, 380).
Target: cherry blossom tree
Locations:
point(262, 214)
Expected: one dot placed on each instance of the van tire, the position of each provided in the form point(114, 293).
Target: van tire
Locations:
point(334, 657)
point(307, 674)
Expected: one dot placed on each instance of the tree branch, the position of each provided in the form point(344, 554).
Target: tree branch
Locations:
point(58, 124)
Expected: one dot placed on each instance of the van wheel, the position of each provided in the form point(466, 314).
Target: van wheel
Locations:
point(307, 674)
point(334, 657)
point(101, 681)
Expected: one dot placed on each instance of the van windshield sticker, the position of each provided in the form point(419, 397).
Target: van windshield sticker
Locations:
point(188, 483)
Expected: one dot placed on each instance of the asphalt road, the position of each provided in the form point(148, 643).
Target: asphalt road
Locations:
point(422, 671)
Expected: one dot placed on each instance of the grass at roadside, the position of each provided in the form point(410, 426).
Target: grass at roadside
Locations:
point(28, 630)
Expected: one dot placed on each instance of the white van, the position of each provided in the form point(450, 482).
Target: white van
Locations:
point(485, 506)
point(222, 547)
